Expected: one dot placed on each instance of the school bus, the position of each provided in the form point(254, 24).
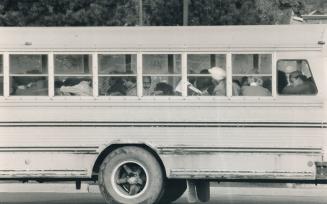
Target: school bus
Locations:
point(142, 111)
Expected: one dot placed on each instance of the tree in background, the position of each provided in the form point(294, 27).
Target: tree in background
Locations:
point(155, 12)
point(163, 12)
point(279, 11)
point(68, 12)
point(220, 12)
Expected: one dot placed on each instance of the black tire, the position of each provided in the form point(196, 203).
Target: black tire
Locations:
point(174, 189)
point(130, 175)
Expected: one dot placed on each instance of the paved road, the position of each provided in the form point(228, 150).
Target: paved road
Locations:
point(220, 195)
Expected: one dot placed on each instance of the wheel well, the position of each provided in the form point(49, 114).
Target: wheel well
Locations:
point(112, 147)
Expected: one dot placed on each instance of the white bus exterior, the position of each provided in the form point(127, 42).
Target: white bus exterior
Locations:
point(137, 146)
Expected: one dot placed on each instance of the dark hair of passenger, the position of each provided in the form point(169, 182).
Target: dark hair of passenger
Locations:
point(267, 84)
point(58, 84)
point(203, 82)
point(117, 86)
point(204, 71)
point(237, 82)
point(166, 89)
point(244, 81)
point(71, 81)
point(282, 81)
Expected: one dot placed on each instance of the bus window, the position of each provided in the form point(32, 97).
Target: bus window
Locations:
point(199, 77)
point(294, 78)
point(161, 74)
point(28, 75)
point(252, 74)
point(117, 75)
point(73, 75)
point(1, 75)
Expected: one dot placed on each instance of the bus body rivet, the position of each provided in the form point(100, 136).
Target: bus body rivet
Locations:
point(310, 164)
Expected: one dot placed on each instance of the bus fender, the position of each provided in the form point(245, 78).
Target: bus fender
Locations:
point(104, 149)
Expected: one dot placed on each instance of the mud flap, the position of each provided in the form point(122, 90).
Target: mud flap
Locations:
point(198, 190)
point(203, 190)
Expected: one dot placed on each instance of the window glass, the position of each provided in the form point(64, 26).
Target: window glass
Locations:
point(161, 74)
point(73, 64)
point(117, 75)
point(206, 74)
point(294, 78)
point(28, 75)
point(161, 64)
point(73, 75)
point(252, 74)
point(117, 64)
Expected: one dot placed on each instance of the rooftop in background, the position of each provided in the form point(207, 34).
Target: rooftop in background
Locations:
point(316, 17)
point(160, 38)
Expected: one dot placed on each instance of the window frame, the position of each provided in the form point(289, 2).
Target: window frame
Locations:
point(140, 82)
point(139, 76)
point(295, 95)
point(97, 75)
point(228, 65)
point(272, 75)
point(53, 75)
point(7, 75)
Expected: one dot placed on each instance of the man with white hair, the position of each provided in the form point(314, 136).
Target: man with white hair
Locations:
point(255, 87)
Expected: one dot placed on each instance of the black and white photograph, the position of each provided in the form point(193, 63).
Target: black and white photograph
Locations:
point(163, 101)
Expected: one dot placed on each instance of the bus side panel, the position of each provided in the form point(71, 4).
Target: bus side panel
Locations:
point(216, 152)
point(44, 163)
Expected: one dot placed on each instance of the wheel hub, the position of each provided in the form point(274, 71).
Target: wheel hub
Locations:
point(130, 179)
point(133, 180)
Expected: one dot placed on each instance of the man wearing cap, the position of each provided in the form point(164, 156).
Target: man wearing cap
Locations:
point(219, 80)
point(299, 85)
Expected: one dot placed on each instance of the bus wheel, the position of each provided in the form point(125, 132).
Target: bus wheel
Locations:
point(130, 175)
point(173, 190)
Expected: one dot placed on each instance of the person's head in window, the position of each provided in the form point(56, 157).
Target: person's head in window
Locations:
point(129, 82)
point(116, 87)
point(288, 70)
point(146, 82)
point(218, 74)
point(163, 89)
point(299, 85)
point(218, 79)
point(255, 87)
point(296, 78)
point(202, 83)
point(255, 81)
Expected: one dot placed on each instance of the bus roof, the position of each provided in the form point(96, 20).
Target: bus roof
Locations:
point(161, 38)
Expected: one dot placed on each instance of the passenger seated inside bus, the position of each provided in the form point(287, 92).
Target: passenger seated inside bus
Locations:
point(202, 85)
point(122, 86)
point(282, 81)
point(299, 85)
point(163, 89)
point(130, 85)
point(75, 87)
point(148, 88)
point(254, 87)
point(29, 85)
point(219, 81)
point(116, 87)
